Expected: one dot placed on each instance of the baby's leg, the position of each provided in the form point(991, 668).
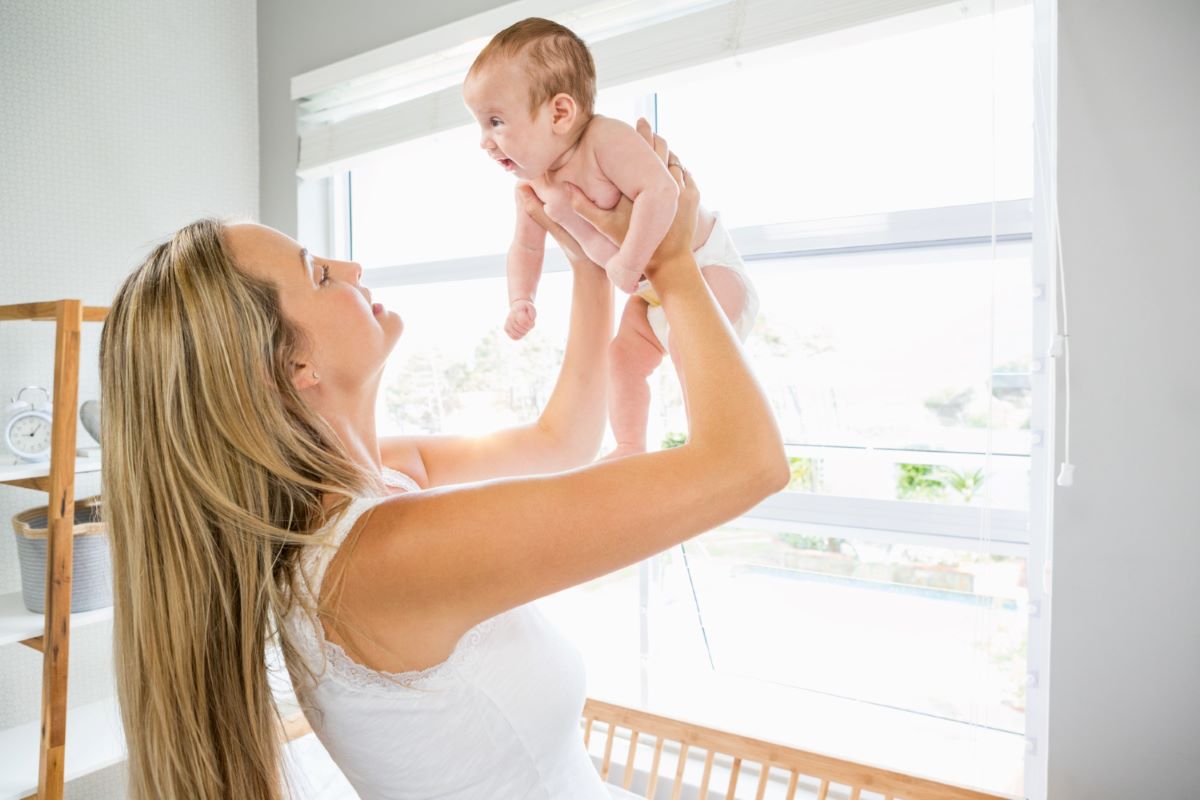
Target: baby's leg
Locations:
point(729, 291)
point(633, 355)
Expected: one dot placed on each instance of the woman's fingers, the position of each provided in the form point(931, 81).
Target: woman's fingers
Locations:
point(689, 192)
point(656, 142)
point(535, 208)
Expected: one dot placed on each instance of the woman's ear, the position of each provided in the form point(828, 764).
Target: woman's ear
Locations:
point(304, 376)
point(563, 112)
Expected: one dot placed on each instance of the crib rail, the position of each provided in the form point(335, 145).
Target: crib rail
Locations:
point(828, 771)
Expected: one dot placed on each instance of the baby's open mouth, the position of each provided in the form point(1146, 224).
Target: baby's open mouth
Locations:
point(507, 163)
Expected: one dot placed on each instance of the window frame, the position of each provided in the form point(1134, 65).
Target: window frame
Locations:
point(953, 527)
point(324, 220)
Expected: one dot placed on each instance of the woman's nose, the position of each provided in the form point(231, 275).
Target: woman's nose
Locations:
point(354, 271)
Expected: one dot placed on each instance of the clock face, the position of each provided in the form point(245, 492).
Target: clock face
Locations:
point(29, 435)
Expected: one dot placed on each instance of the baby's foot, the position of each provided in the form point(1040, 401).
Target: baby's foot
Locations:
point(520, 320)
point(624, 279)
point(622, 450)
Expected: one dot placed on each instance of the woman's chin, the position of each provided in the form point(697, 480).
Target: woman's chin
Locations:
point(391, 321)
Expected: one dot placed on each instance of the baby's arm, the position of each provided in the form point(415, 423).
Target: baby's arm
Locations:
point(631, 165)
point(524, 268)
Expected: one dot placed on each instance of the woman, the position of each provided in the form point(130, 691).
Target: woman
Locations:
point(239, 376)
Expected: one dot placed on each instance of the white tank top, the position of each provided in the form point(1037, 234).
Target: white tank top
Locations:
point(497, 720)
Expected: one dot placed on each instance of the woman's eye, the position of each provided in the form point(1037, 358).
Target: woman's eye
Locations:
point(324, 275)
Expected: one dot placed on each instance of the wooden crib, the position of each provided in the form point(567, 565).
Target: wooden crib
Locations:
point(830, 776)
point(827, 773)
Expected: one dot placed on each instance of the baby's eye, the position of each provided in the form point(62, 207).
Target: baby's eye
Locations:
point(494, 121)
point(324, 275)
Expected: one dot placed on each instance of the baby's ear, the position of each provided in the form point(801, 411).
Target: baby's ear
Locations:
point(563, 112)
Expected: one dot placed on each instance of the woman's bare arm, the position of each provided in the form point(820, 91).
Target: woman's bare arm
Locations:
point(569, 430)
point(454, 556)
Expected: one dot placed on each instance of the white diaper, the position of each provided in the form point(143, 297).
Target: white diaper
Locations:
point(718, 250)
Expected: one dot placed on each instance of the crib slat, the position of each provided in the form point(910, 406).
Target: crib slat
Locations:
point(654, 768)
point(733, 778)
point(629, 759)
point(829, 772)
point(608, 752)
point(792, 781)
point(707, 774)
point(762, 782)
point(677, 786)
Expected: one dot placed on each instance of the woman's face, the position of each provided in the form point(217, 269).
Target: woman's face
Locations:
point(350, 338)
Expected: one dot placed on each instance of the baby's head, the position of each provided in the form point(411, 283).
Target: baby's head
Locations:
point(532, 89)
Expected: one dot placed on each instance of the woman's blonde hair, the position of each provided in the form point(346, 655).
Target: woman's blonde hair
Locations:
point(214, 469)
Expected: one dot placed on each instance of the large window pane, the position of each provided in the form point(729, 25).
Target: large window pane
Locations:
point(454, 369)
point(431, 199)
point(878, 364)
point(811, 131)
point(931, 630)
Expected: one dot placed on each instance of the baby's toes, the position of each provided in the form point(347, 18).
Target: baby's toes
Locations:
point(627, 281)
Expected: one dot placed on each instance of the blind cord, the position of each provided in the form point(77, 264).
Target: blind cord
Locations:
point(1062, 346)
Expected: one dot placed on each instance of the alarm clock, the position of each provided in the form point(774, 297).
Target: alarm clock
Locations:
point(27, 427)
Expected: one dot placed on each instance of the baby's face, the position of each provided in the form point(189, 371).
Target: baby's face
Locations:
point(521, 142)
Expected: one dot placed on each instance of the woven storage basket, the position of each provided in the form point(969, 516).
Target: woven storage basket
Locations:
point(91, 576)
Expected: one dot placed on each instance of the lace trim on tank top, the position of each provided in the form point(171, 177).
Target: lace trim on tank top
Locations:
point(348, 671)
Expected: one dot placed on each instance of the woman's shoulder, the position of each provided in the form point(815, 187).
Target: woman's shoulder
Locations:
point(400, 454)
point(401, 480)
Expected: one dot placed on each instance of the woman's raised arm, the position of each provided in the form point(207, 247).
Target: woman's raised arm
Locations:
point(453, 556)
point(570, 428)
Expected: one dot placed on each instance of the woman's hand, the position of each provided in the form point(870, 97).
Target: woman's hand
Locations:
point(535, 208)
point(614, 222)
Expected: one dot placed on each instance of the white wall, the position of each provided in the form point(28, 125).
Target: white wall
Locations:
point(119, 122)
point(1125, 640)
point(295, 36)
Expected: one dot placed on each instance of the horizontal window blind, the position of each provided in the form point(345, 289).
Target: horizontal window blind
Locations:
point(364, 105)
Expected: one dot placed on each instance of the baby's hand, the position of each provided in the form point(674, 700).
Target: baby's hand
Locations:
point(520, 320)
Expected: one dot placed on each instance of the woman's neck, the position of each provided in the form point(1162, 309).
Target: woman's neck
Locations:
point(352, 417)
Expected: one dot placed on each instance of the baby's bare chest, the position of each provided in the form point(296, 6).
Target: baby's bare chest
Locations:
point(599, 189)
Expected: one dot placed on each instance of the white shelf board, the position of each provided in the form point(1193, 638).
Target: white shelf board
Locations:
point(95, 740)
point(17, 622)
point(11, 472)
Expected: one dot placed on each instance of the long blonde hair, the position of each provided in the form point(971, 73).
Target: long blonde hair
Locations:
point(213, 474)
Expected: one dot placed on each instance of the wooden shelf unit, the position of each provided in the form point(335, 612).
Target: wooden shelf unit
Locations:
point(92, 748)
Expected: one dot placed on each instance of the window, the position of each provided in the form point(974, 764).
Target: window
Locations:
point(884, 209)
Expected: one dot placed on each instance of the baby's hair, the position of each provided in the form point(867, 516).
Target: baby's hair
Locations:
point(557, 61)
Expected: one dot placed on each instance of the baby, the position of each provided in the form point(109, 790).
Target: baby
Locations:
point(532, 89)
